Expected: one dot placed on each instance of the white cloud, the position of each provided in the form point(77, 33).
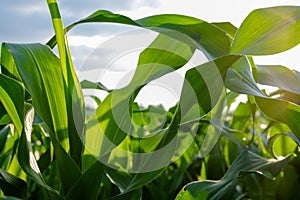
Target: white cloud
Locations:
point(91, 42)
point(31, 9)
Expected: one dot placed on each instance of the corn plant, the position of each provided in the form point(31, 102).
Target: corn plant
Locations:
point(204, 147)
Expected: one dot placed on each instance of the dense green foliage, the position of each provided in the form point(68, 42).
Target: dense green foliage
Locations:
point(49, 146)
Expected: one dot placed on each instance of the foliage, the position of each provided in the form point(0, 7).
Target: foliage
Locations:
point(243, 151)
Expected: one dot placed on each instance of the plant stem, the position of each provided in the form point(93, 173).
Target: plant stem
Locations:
point(60, 37)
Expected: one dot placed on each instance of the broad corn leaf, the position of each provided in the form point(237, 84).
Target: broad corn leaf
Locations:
point(268, 31)
point(88, 184)
point(8, 65)
point(240, 80)
point(273, 75)
point(282, 111)
point(40, 71)
point(212, 41)
point(112, 117)
point(12, 98)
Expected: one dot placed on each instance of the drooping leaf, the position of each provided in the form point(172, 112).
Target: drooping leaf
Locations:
point(152, 64)
point(281, 111)
point(239, 79)
point(246, 162)
point(127, 182)
point(214, 45)
point(113, 117)
point(98, 16)
point(207, 83)
point(198, 85)
point(90, 85)
point(268, 31)
point(227, 27)
point(282, 144)
point(273, 75)
point(215, 42)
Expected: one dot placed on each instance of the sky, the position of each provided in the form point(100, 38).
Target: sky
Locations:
point(28, 21)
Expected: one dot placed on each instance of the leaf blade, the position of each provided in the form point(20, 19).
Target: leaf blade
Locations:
point(268, 31)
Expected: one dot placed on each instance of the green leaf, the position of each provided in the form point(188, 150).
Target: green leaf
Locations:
point(5, 119)
point(8, 152)
point(12, 185)
point(198, 83)
point(98, 16)
point(87, 186)
point(73, 93)
point(134, 195)
point(107, 120)
point(241, 117)
point(207, 82)
point(8, 65)
point(227, 27)
point(268, 31)
point(26, 157)
point(281, 111)
point(12, 99)
point(85, 84)
point(214, 41)
point(235, 136)
point(3, 136)
point(272, 75)
point(10, 198)
point(40, 71)
point(246, 162)
point(68, 170)
point(148, 120)
point(152, 64)
point(282, 144)
point(127, 182)
point(239, 79)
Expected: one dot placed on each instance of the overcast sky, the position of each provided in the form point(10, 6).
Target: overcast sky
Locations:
point(29, 21)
